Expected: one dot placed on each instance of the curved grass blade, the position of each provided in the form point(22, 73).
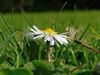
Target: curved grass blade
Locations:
point(6, 40)
point(85, 31)
point(10, 31)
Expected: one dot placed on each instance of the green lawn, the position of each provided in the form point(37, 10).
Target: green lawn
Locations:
point(77, 19)
point(16, 52)
point(44, 19)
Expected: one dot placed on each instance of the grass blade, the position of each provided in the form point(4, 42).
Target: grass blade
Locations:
point(6, 40)
point(85, 30)
point(10, 31)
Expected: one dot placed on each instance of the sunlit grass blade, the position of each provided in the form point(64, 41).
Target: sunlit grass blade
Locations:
point(86, 56)
point(74, 57)
point(95, 62)
point(95, 32)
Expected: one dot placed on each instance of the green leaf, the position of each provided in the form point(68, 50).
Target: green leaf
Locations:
point(6, 40)
point(85, 72)
point(85, 31)
point(42, 67)
point(2, 58)
point(29, 66)
point(4, 65)
point(22, 72)
point(74, 57)
point(15, 72)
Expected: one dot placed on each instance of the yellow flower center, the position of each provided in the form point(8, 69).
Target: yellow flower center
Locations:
point(50, 31)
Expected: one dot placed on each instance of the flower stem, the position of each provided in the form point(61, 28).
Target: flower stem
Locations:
point(48, 52)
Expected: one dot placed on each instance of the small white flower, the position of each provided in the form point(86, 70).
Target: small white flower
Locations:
point(49, 35)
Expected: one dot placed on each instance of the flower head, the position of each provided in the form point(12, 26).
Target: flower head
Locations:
point(49, 31)
point(49, 35)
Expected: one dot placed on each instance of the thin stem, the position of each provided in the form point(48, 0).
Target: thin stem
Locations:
point(87, 46)
point(74, 69)
point(48, 51)
point(39, 55)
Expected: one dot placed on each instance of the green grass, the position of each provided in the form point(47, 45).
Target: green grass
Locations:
point(16, 52)
point(78, 19)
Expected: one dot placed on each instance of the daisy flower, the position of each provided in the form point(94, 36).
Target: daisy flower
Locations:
point(49, 35)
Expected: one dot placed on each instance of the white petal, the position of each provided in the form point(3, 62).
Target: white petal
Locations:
point(64, 41)
point(61, 40)
point(32, 30)
point(64, 33)
point(36, 31)
point(47, 38)
point(36, 28)
point(52, 42)
point(64, 36)
point(58, 39)
point(29, 35)
point(50, 39)
point(46, 34)
point(38, 37)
